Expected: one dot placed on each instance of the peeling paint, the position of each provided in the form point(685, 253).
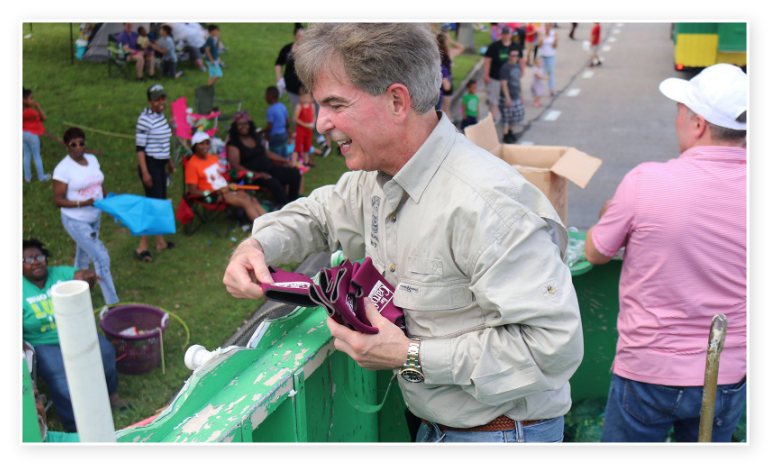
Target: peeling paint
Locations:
point(257, 397)
point(195, 424)
point(259, 378)
point(228, 439)
point(311, 330)
point(271, 381)
point(292, 393)
point(214, 436)
point(237, 401)
point(286, 355)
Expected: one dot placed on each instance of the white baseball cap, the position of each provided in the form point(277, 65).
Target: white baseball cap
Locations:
point(199, 136)
point(718, 94)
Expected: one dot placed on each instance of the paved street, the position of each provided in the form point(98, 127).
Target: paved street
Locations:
point(614, 112)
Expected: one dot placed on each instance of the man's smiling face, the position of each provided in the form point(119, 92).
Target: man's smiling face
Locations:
point(360, 123)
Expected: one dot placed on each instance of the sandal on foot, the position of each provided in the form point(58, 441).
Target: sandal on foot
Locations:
point(170, 245)
point(145, 256)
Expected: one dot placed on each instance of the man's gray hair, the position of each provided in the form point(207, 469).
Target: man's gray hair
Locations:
point(721, 134)
point(375, 56)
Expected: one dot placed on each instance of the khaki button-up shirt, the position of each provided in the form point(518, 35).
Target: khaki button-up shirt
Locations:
point(475, 254)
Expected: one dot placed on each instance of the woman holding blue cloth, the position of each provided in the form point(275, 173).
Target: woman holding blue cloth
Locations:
point(78, 183)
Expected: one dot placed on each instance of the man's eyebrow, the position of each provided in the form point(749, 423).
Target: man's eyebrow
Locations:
point(327, 100)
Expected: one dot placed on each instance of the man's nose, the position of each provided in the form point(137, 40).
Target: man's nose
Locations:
point(324, 123)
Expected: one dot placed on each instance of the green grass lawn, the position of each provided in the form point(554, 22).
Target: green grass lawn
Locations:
point(188, 279)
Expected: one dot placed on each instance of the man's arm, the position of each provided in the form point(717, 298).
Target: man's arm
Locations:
point(487, 65)
point(329, 219)
point(593, 255)
point(535, 344)
point(617, 221)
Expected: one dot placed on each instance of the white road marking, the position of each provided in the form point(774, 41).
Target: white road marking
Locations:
point(606, 48)
point(574, 91)
point(526, 143)
point(552, 115)
point(611, 40)
point(588, 74)
point(617, 31)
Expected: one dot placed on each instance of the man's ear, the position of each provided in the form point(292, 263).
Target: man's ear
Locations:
point(699, 126)
point(399, 102)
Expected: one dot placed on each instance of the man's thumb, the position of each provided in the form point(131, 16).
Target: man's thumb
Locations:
point(372, 314)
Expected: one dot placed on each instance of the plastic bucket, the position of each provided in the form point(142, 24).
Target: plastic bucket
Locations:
point(135, 354)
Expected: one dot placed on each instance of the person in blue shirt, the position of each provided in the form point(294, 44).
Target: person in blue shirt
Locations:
point(211, 54)
point(277, 122)
point(128, 40)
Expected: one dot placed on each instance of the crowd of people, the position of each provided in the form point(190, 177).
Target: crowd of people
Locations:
point(493, 329)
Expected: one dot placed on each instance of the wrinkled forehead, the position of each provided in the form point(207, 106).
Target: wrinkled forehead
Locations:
point(330, 79)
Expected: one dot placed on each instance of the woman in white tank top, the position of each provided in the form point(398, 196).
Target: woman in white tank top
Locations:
point(547, 48)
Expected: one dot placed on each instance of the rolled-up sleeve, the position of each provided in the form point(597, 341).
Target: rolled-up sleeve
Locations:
point(331, 218)
point(535, 343)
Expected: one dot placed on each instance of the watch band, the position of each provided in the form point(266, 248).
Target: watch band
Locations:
point(413, 355)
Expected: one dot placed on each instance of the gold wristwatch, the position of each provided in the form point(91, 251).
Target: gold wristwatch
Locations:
point(412, 371)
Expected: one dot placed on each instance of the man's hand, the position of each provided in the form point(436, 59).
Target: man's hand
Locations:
point(383, 351)
point(509, 103)
point(147, 180)
point(604, 209)
point(247, 265)
point(171, 166)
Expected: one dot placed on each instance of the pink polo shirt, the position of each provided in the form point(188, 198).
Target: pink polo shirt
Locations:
point(683, 224)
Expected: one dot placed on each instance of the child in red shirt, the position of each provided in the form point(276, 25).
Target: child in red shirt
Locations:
point(32, 127)
point(304, 117)
point(594, 39)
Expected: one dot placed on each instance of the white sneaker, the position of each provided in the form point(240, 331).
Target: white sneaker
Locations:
point(321, 139)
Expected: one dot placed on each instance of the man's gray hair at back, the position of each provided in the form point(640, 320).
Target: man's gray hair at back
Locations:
point(375, 56)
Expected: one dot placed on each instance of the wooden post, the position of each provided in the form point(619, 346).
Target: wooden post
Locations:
point(718, 333)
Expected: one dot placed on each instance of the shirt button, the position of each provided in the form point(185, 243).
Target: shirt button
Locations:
point(392, 268)
point(392, 218)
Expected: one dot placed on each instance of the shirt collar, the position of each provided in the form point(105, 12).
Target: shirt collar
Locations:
point(417, 173)
point(715, 153)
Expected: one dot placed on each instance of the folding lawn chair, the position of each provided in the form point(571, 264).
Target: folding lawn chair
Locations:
point(205, 213)
point(186, 124)
point(206, 102)
point(116, 58)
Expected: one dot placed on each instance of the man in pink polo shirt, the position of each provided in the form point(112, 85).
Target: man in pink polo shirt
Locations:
point(683, 224)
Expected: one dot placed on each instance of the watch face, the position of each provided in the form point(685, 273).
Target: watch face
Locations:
point(413, 376)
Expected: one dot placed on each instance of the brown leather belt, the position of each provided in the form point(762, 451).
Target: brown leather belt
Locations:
point(498, 424)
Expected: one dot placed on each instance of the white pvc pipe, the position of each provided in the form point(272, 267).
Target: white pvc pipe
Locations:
point(83, 361)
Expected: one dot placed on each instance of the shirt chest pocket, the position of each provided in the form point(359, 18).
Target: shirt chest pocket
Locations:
point(419, 296)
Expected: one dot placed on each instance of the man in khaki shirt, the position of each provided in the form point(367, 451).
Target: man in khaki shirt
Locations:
point(473, 250)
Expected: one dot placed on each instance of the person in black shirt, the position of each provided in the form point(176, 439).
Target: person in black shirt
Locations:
point(498, 54)
point(245, 153)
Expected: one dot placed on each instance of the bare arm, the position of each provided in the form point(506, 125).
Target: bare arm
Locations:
point(232, 153)
point(455, 48)
point(147, 180)
point(60, 197)
point(487, 65)
point(505, 90)
point(593, 255)
point(40, 112)
point(276, 158)
point(278, 72)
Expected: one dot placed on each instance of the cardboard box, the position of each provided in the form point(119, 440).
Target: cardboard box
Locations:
point(547, 167)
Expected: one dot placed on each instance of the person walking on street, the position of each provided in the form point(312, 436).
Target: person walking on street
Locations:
point(572, 30)
point(677, 220)
point(512, 112)
point(547, 49)
point(493, 330)
point(498, 54)
point(594, 41)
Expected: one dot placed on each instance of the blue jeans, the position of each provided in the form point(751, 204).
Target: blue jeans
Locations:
point(51, 368)
point(278, 144)
point(547, 431)
point(89, 248)
point(549, 63)
point(31, 146)
point(643, 412)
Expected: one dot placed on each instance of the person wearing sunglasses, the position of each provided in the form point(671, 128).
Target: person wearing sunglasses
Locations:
point(78, 183)
point(40, 329)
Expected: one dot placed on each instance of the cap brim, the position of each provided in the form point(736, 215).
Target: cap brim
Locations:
point(675, 89)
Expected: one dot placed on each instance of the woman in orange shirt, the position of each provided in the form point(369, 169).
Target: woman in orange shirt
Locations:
point(204, 179)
